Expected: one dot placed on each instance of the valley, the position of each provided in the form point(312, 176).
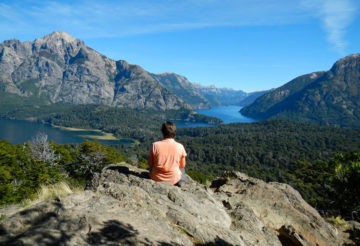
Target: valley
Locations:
point(305, 133)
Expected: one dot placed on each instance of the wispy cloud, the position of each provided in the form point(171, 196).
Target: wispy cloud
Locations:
point(336, 16)
point(92, 18)
point(130, 17)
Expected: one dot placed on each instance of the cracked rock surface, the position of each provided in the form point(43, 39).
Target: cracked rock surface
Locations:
point(122, 206)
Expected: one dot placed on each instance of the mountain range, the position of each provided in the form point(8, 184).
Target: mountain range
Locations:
point(59, 68)
point(328, 98)
point(228, 96)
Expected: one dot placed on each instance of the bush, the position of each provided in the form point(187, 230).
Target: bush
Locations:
point(26, 168)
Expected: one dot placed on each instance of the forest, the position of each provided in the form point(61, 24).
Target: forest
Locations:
point(139, 124)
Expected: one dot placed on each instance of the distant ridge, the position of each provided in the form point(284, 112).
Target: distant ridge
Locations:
point(227, 96)
point(183, 88)
point(328, 98)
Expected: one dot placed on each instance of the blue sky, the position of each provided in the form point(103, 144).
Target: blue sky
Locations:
point(242, 44)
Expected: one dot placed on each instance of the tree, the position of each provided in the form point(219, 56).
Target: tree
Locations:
point(346, 182)
point(41, 149)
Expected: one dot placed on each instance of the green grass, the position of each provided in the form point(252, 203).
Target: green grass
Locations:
point(336, 220)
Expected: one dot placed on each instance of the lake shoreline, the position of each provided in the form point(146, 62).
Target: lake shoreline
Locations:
point(19, 131)
point(105, 135)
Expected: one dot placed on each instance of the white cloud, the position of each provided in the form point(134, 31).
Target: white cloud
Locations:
point(92, 18)
point(336, 16)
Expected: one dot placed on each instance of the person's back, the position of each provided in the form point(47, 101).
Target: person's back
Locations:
point(167, 157)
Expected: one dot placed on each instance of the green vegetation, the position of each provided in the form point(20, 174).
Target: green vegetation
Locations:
point(122, 122)
point(277, 150)
point(266, 150)
point(336, 220)
point(346, 182)
point(333, 187)
point(25, 168)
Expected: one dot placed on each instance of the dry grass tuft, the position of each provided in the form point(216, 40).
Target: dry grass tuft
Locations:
point(48, 192)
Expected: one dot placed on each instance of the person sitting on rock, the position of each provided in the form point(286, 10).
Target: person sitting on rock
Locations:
point(167, 157)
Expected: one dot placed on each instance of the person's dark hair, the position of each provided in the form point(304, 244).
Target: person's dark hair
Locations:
point(168, 129)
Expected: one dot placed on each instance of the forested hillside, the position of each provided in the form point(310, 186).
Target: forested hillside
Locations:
point(326, 98)
point(122, 122)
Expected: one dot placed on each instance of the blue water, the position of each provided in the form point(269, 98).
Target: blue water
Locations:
point(18, 131)
point(228, 114)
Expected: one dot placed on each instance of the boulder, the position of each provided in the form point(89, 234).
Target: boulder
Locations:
point(278, 206)
point(122, 206)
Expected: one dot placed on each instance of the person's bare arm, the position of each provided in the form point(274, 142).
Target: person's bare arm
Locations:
point(151, 159)
point(182, 162)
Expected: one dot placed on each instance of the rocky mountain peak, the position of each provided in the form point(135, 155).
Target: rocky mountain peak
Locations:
point(348, 63)
point(58, 43)
point(61, 68)
point(348, 58)
point(57, 36)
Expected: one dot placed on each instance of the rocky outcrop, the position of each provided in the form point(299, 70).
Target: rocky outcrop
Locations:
point(278, 206)
point(61, 68)
point(121, 206)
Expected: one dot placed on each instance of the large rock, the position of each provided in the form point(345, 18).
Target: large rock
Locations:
point(278, 206)
point(121, 206)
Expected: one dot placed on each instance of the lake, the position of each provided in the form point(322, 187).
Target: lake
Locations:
point(228, 114)
point(17, 131)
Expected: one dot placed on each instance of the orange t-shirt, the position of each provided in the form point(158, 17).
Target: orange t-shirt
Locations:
point(165, 160)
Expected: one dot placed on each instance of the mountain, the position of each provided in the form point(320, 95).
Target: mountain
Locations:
point(328, 98)
point(122, 206)
point(183, 88)
point(227, 96)
point(198, 96)
point(251, 97)
point(60, 68)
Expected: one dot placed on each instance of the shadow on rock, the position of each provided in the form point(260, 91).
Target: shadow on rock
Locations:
point(113, 231)
point(218, 242)
point(354, 235)
point(127, 171)
point(46, 227)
